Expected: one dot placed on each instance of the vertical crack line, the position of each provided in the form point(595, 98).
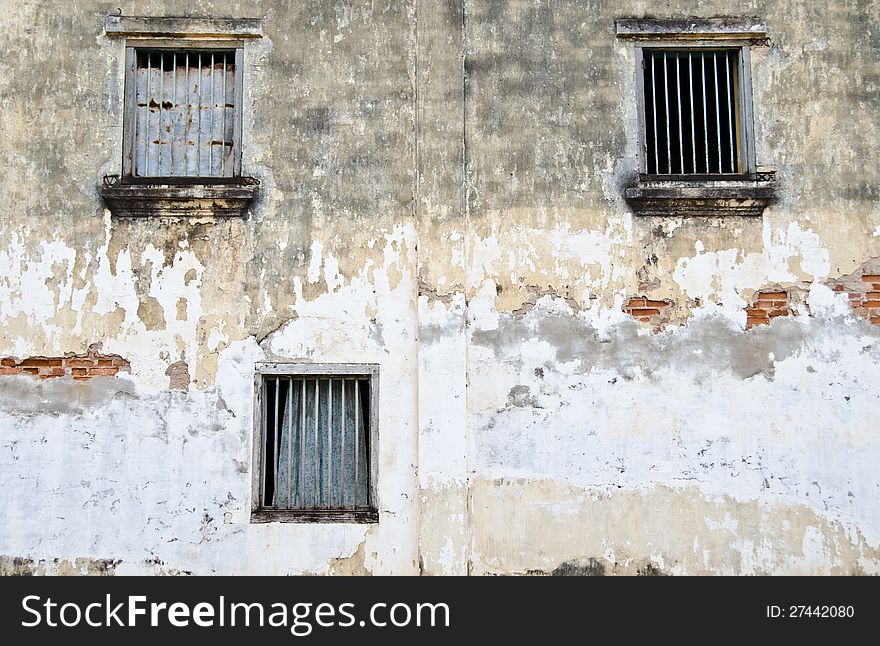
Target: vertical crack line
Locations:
point(468, 252)
point(418, 264)
point(416, 122)
point(465, 184)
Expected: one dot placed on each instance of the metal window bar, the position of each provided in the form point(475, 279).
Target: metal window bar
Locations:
point(176, 116)
point(173, 142)
point(149, 100)
point(187, 119)
point(700, 81)
point(717, 109)
point(356, 442)
point(317, 472)
point(666, 114)
point(330, 441)
point(705, 121)
point(678, 96)
point(730, 112)
point(290, 412)
point(654, 111)
point(199, 86)
point(159, 112)
point(276, 429)
point(223, 123)
point(693, 118)
point(315, 442)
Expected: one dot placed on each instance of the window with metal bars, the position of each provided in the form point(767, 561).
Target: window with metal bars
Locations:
point(183, 111)
point(317, 443)
point(693, 120)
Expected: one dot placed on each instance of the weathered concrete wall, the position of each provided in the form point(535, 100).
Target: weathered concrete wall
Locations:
point(442, 194)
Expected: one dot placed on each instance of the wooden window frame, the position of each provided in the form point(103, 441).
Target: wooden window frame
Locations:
point(295, 370)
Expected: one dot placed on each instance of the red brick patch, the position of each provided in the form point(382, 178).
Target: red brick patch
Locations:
point(864, 296)
point(767, 306)
point(80, 366)
point(654, 313)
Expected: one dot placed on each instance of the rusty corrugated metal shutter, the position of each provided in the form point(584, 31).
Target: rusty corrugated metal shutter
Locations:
point(184, 109)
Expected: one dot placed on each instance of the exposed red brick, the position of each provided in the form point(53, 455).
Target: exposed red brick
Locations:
point(41, 361)
point(645, 310)
point(108, 372)
point(79, 363)
point(773, 296)
point(767, 306)
point(751, 322)
point(91, 363)
point(863, 292)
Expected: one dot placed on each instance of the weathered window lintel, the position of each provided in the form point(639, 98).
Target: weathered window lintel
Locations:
point(182, 27)
point(725, 28)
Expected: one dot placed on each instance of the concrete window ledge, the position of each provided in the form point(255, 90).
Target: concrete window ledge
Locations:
point(223, 199)
point(723, 197)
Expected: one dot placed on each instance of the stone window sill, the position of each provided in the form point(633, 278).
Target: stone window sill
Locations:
point(745, 196)
point(178, 199)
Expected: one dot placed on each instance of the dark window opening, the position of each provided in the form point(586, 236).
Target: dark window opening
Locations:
point(316, 443)
point(691, 112)
point(184, 111)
